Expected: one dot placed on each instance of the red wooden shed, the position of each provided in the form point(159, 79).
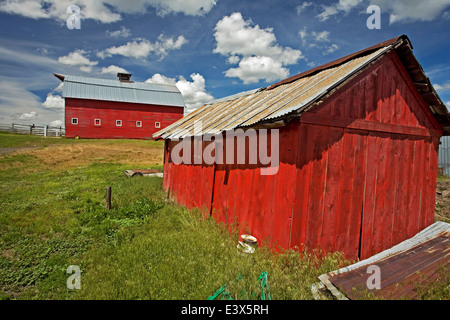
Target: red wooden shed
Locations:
point(118, 109)
point(358, 149)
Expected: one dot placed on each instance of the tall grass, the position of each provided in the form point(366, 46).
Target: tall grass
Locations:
point(180, 254)
point(145, 247)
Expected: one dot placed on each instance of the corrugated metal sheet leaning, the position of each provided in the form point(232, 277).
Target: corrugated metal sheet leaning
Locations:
point(421, 243)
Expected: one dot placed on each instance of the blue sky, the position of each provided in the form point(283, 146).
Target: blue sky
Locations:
point(208, 48)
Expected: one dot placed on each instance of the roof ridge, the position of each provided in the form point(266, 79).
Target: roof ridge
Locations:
point(340, 60)
point(113, 82)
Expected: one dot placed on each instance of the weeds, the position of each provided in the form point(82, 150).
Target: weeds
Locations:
point(145, 247)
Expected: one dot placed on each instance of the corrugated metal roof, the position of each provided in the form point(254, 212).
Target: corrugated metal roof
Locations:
point(115, 90)
point(261, 105)
point(295, 94)
point(413, 262)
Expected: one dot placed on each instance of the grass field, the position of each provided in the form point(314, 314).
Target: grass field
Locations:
point(53, 215)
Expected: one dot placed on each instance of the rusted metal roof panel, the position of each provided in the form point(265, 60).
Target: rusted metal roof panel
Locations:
point(412, 263)
point(254, 107)
point(295, 94)
point(339, 61)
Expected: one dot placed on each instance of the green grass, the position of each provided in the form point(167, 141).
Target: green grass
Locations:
point(145, 247)
point(9, 140)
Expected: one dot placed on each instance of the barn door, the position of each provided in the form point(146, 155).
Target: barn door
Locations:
point(399, 190)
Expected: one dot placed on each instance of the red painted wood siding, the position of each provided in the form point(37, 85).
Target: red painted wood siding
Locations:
point(387, 174)
point(357, 173)
point(86, 111)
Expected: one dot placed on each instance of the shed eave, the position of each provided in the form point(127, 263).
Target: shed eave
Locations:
point(222, 115)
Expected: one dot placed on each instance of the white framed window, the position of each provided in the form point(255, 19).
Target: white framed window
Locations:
point(118, 123)
point(138, 124)
point(74, 120)
point(98, 122)
point(157, 125)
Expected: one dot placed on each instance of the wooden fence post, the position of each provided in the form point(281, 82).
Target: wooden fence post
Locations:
point(108, 198)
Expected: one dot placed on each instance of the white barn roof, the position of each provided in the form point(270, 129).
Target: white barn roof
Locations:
point(121, 91)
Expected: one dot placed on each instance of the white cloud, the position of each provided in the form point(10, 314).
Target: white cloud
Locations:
point(106, 11)
point(141, 48)
point(347, 5)
point(399, 10)
point(327, 12)
point(15, 96)
point(164, 7)
point(57, 9)
point(443, 87)
point(253, 69)
point(43, 51)
point(341, 6)
point(303, 6)
point(233, 59)
point(33, 75)
point(123, 32)
point(19, 105)
point(56, 123)
point(160, 79)
point(28, 116)
point(78, 59)
point(319, 40)
point(113, 69)
point(59, 88)
point(28, 8)
point(412, 10)
point(303, 33)
point(53, 102)
point(191, 7)
point(234, 36)
point(33, 63)
point(138, 48)
point(331, 49)
point(194, 92)
point(252, 47)
point(321, 36)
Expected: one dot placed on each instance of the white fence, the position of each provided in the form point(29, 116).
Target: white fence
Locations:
point(44, 131)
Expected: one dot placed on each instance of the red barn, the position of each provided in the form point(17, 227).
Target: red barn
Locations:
point(358, 146)
point(118, 109)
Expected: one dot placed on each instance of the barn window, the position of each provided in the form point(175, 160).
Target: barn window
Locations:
point(138, 124)
point(118, 123)
point(98, 122)
point(157, 125)
point(74, 120)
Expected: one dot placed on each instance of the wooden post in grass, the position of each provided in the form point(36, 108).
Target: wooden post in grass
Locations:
point(108, 198)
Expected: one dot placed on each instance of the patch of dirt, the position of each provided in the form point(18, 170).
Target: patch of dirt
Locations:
point(443, 200)
point(7, 254)
point(8, 150)
point(66, 156)
point(76, 155)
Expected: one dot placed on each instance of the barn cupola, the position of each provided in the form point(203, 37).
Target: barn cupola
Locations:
point(124, 77)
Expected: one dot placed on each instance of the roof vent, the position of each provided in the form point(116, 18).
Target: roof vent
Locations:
point(124, 77)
